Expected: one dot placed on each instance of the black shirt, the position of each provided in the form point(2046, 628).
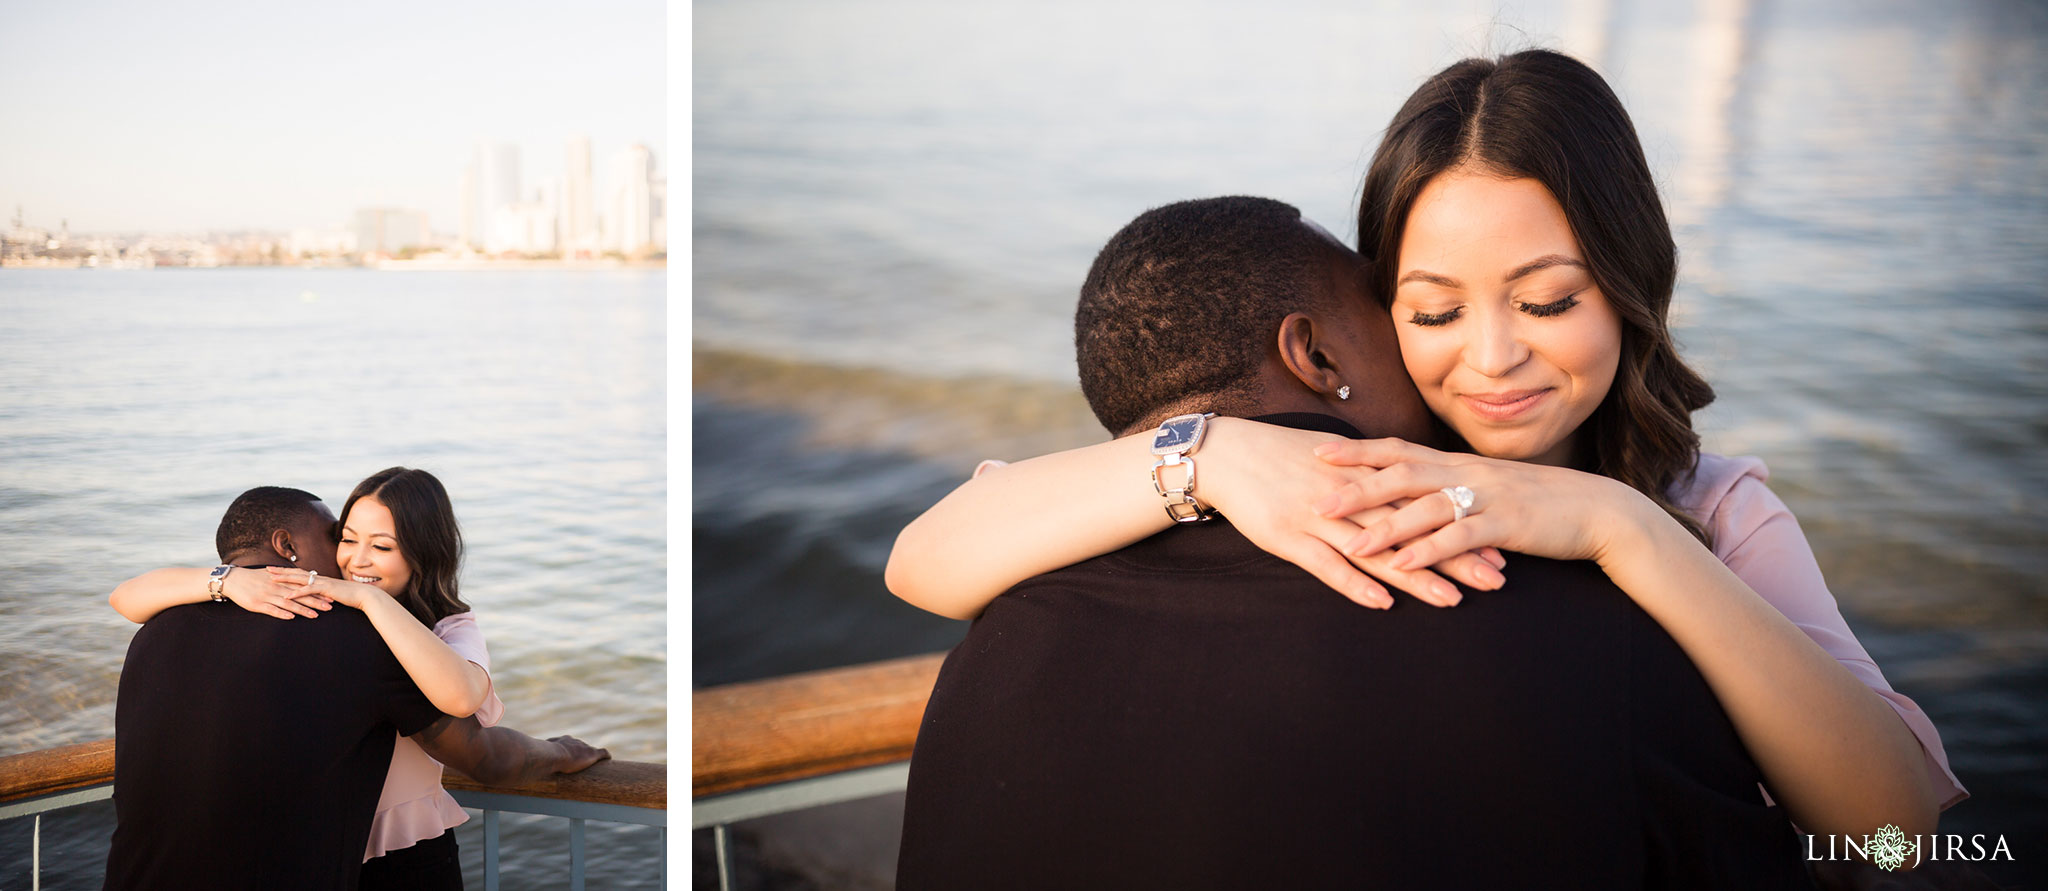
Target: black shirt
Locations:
point(1191, 712)
point(249, 751)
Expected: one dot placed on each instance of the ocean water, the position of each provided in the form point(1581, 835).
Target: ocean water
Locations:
point(134, 405)
point(895, 203)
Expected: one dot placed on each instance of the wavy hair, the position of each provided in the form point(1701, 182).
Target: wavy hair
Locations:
point(1546, 116)
point(427, 536)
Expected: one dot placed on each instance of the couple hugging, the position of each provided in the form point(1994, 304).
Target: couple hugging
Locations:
point(257, 753)
point(1640, 677)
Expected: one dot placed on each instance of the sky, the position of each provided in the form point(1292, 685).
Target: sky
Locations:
point(192, 115)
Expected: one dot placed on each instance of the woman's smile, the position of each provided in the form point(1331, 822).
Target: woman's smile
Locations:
point(1503, 406)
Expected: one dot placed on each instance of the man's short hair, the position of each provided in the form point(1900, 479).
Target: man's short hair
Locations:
point(1182, 305)
point(257, 513)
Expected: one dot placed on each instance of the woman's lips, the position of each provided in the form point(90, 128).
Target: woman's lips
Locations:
point(1503, 406)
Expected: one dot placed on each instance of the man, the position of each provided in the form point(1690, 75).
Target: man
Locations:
point(249, 752)
point(1191, 712)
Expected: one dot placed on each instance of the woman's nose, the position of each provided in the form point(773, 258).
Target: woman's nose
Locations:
point(1496, 347)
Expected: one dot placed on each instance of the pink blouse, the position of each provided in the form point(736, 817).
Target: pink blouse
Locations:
point(1756, 536)
point(414, 807)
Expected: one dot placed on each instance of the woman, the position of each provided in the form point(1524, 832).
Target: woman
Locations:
point(1529, 269)
point(400, 548)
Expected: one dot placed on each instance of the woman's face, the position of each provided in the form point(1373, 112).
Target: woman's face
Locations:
point(1500, 323)
point(369, 549)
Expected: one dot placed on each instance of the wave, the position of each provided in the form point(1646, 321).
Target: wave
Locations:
point(869, 407)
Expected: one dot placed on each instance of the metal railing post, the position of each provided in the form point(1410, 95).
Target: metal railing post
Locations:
point(721, 840)
point(576, 854)
point(490, 851)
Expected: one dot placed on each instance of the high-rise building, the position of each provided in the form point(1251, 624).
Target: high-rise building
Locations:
point(500, 185)
point(470, 207)
point(576, 209)
point(657, 209)
point(629, 216)
point(388, 230)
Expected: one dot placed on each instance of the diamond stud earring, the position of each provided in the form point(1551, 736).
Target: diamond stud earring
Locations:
point(1344, 392)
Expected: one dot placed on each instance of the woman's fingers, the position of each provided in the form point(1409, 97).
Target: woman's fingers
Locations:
point(1329, 567)
point(1421, 584)
point(1379, 452)
point(1389, 486)
point(1463, 535)
point(1473, 570)
point(1421, 517)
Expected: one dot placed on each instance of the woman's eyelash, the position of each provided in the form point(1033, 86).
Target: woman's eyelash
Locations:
point(1554, 307)
point(1431, 320)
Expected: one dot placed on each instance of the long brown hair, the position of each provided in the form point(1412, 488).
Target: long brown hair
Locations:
point(427, 536)
point(1546, 116)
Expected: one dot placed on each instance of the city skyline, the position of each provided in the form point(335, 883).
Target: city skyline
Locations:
point(195, 117)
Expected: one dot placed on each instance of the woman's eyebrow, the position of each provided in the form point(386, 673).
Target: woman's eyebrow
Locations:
point(1435, 278)
point(1544, 262)
point(1422, 275)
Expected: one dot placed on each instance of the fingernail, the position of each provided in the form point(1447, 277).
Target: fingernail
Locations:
point(1491, 576)
point(1404, 560)
point(1362, 545)
point(1326, 505)
point(1325, 449)
point(1496, 558)
point(1446, 593)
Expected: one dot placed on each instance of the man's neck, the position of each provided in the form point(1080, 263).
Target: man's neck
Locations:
point(252, 559)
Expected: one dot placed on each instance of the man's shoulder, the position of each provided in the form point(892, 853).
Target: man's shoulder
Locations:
point(228, 627)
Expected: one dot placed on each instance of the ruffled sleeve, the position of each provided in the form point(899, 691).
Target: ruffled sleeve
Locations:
point(461, 634)
point(1757, 537)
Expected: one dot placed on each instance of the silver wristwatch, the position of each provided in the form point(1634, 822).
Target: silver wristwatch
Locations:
point(1175, 444)
point(217, 580)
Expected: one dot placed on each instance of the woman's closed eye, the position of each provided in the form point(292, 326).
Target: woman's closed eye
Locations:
point(1433, 319)
point(1554, 307)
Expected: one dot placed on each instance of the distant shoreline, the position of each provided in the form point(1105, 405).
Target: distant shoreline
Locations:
point(436, 264)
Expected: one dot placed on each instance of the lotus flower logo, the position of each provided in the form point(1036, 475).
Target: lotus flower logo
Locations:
point(1889, 848)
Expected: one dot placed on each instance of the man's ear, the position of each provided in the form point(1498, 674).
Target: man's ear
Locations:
point(1304, 354)
point(281, 542)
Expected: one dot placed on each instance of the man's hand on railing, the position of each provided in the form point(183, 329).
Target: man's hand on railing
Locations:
point(577, 755)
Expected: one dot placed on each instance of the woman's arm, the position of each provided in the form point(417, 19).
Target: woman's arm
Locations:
point(139, 599)
point(1832, 751)
point(453, 684)
point(1032, 517)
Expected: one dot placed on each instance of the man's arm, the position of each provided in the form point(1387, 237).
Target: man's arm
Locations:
point(501, 756)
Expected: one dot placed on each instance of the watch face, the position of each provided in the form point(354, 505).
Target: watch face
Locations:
point(1177, 434)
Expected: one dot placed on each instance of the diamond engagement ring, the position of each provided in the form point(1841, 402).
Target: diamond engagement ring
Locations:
point(1461, 501)
point(310, 575)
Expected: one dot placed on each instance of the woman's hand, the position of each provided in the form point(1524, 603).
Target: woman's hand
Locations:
point(264, 592)
point(1550, 512)
point(1266, 479)
point(342, 591)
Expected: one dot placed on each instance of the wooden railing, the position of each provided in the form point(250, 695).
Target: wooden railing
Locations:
point(805, 725)
point(801, 741)
point(62, 769)
point(627, 783)
point(610, 791)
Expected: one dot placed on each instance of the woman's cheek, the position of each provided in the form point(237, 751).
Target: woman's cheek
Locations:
point(1426, 359)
